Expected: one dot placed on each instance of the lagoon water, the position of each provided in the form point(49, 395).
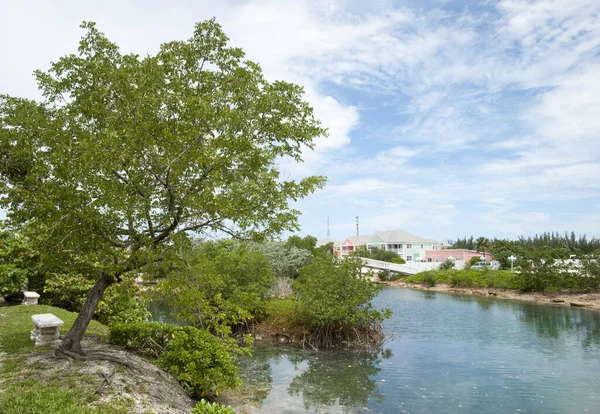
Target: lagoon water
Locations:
point(449, 354)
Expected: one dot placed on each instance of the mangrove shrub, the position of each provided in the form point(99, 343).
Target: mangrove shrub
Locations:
point(334, 302)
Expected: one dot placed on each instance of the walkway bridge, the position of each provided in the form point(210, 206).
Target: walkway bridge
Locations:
point(405, 269)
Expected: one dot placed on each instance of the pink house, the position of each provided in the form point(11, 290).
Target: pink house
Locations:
point(352, 243)
point(455, 254)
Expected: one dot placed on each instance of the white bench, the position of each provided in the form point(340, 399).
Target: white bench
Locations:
point(31, 298)
point(45, 331)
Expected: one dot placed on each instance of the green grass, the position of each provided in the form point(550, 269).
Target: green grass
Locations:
point(35, 387)
point(16, 325)
point(468, 278)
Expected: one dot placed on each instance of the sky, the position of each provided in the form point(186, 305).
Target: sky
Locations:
point(446, 118)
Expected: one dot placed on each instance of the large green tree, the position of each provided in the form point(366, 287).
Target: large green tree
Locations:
point(126, 155)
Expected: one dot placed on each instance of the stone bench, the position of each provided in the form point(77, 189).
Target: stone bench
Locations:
point(45, 331)
point(30, 298)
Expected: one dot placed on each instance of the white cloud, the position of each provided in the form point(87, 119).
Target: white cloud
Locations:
point(506, 99)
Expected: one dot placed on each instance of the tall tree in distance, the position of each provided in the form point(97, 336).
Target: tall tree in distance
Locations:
point(126, 155)
point(482, 245)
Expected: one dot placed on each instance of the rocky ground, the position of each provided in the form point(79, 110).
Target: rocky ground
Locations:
point(147, 388)
point(581, 300)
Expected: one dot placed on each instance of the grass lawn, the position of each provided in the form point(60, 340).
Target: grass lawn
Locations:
point(28, 385)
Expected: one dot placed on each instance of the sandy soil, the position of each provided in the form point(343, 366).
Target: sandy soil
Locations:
point(582, 300)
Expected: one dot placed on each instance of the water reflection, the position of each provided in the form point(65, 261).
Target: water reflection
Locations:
point(563, 323)
point(345, 380)
point(323, 380)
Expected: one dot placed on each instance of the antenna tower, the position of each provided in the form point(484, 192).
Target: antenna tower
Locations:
point(328, 234)
point(357, 225)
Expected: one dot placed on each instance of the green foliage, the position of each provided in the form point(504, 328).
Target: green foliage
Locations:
point(379, 254)
point(482, 245)
point(486, 278)
point(206, 407)
point(17, 261)
point(285, 258)
point(67, 290)
point(447, 265)
point(384, 275)
point(306, 243)
point(122, 302)
point(200, 361)
point(332, 291)
point(428, 279)
point(189, 137)
point(578, 245)
point(548, 275)
point(589, 280)
point(223, 285)
point(474, 259)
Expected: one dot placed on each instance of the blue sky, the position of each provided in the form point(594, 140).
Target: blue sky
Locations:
point(446, 118)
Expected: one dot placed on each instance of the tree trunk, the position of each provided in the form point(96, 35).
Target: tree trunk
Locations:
point(72, 340)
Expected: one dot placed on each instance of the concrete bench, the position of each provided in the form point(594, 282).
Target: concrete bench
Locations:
point(31, 298)
point(45, 331)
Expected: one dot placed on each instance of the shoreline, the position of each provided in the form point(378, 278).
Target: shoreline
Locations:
point(590, 301)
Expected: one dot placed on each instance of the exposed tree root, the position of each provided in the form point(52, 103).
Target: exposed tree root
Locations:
point(94, 356)
point(347, 336)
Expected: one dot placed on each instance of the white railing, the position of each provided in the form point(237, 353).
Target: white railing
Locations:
point(409, 268)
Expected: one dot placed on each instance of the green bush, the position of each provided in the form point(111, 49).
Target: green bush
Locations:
point(429, 279)
point(224, 286)
point(121, 302)
point(205, 407)
point(468, 278)
point(332, 291)
point(334, 303)
point(200, 361)
point(17, 261)
point(384, 275)
point(447, 265)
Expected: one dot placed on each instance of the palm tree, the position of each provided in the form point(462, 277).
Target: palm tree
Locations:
point(482, 245)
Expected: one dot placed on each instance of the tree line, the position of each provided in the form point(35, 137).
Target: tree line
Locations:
point(575, 244)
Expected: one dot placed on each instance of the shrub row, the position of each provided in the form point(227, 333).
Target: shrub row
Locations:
point(536, 276)
point(201, 362)
point(467, 278)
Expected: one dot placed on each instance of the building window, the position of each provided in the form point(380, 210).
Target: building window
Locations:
point(422, 246)
point(429, 259)
point(409, 258)
point(409, 246)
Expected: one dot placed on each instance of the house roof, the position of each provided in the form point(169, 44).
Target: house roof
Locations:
point(323, 242)
point(401, 236)
point(360, 240)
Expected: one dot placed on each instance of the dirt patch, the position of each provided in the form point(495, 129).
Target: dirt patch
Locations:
point(139, 384)
point(581, 300)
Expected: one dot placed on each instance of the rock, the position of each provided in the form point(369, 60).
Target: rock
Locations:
point(492, 294)
point(578, 304)
point(558, 300)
